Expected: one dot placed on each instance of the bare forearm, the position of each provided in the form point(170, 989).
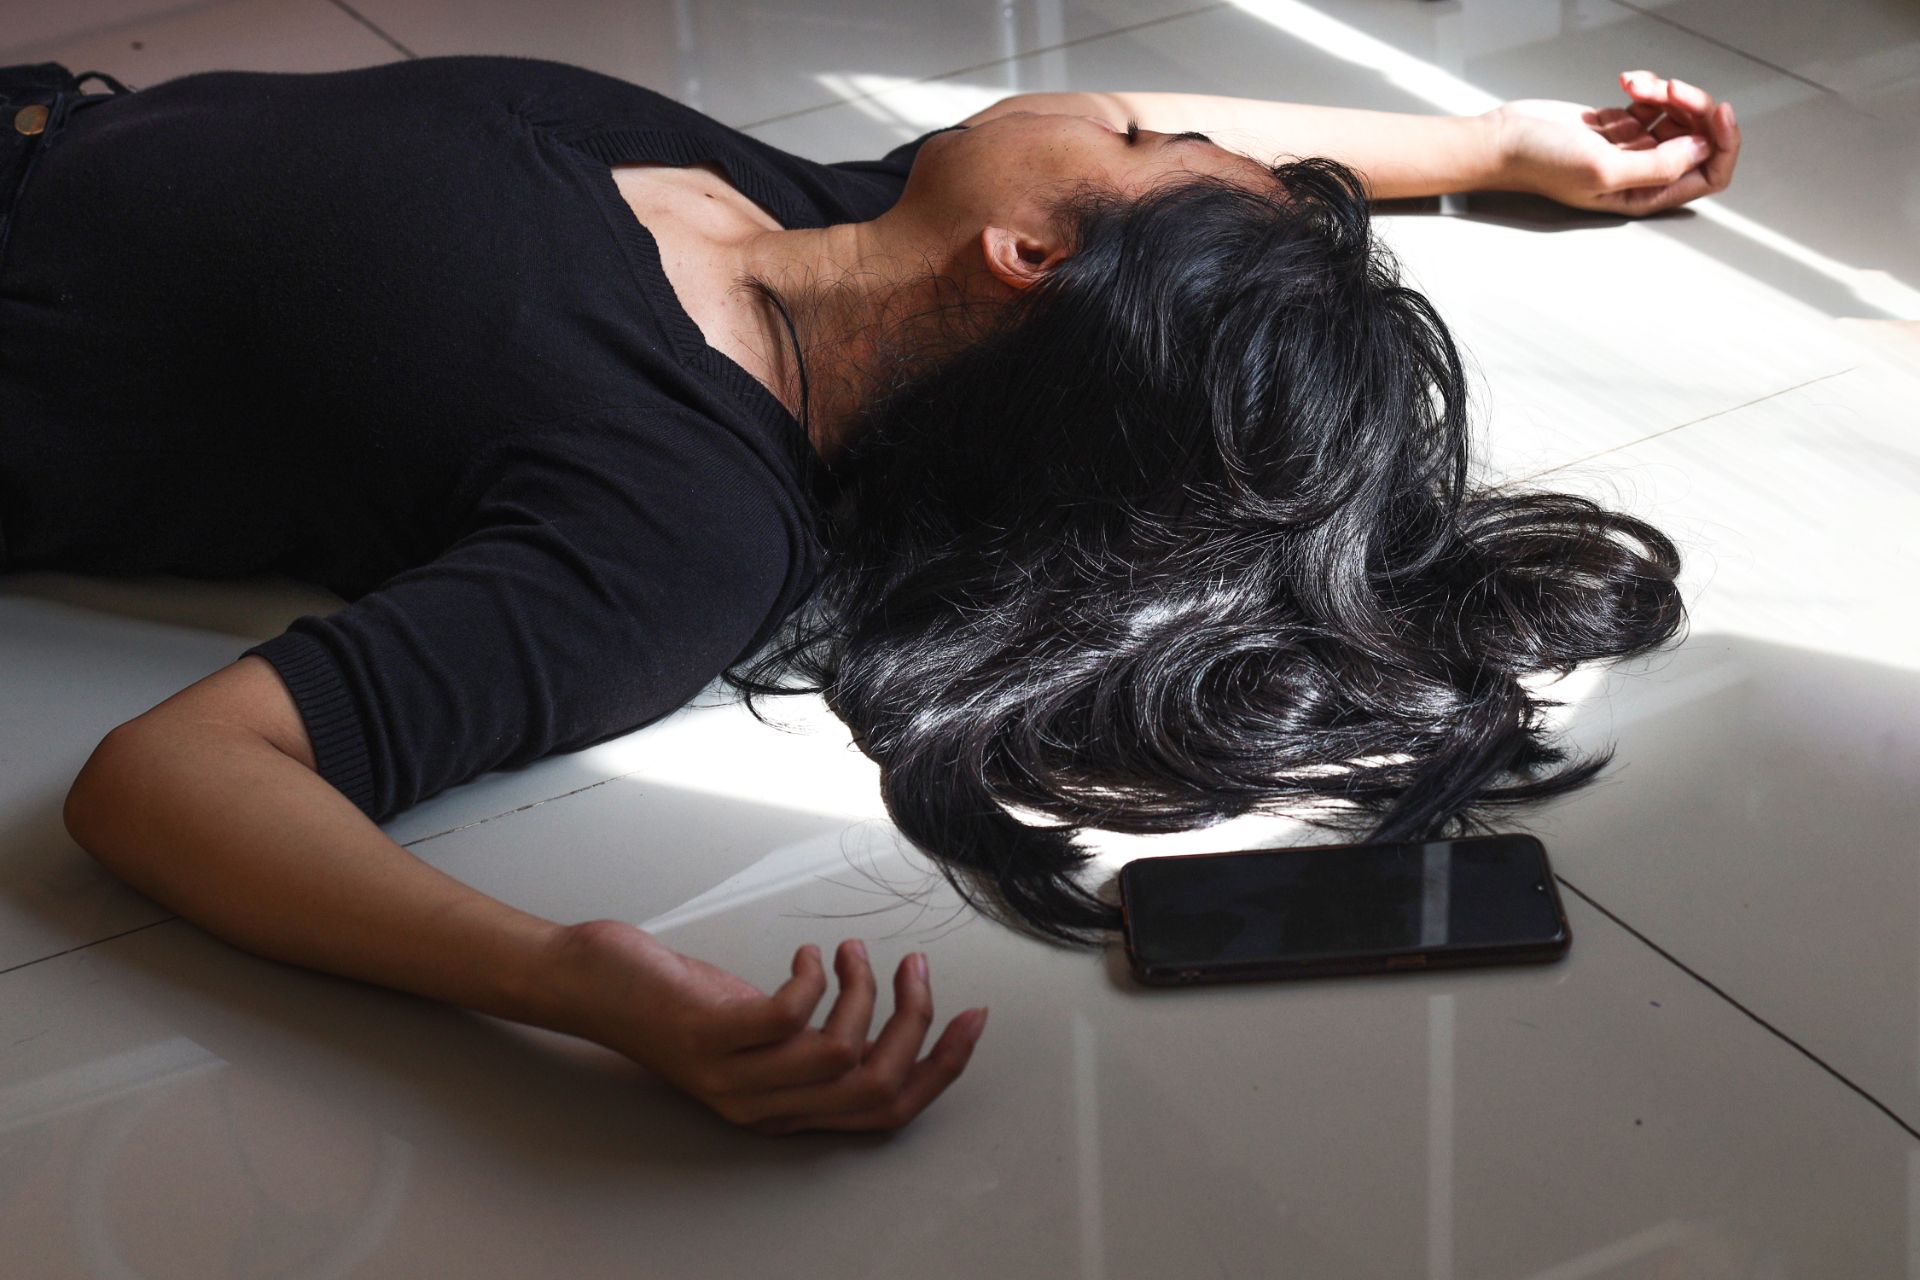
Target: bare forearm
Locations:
point(1400, 155)
point(218, 825)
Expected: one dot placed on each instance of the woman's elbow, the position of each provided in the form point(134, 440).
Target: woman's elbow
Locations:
point(104, 794)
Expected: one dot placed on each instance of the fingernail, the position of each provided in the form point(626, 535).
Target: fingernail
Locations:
point(1702, 148)
point(980, 1025)
point(1730, 120)
point(858, 948)
point(920, 965)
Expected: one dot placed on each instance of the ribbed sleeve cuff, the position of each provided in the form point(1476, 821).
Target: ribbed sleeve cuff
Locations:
point(333, 725)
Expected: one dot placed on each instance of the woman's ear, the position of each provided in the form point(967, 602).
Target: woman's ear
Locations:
point(1018, 260)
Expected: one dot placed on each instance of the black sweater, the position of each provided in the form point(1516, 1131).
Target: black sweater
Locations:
point(395, 331)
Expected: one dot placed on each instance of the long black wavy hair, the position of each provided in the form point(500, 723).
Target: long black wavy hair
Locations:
point(1186, 530)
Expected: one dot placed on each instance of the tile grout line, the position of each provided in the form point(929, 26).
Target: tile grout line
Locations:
point(1698, 977)
point(26, 964)
point(465, 826)
point(522, 808)
point(351, 12)
point(1716, 41)
point(981, 66)
point(508, 813)
point(1531, 476)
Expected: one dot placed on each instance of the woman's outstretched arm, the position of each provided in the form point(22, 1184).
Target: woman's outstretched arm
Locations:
point(1400, 155)
point(1669, 144)
point(210, 804)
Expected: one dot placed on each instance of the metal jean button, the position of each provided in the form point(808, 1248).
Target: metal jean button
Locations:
point(30, 120)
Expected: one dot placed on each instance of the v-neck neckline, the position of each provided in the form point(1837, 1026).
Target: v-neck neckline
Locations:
point(602, 150)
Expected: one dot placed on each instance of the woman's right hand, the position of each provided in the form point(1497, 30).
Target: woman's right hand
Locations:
point(1672, 144)
point(753, 1057)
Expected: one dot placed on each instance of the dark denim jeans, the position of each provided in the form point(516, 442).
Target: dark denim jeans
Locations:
point(36, 98)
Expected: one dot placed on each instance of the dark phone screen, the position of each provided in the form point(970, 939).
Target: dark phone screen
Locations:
point(1364, 899)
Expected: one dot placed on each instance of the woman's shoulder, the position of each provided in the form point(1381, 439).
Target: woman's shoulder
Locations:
point(539, 87)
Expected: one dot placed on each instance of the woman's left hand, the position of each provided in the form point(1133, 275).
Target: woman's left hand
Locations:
point(1672, 144)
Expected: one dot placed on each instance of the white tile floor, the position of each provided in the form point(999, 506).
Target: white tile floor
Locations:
point(1722, 1080)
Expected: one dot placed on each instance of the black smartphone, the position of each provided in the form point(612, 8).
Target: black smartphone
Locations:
point(1334, 909)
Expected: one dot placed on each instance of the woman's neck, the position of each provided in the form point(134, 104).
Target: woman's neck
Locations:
point(852, 294)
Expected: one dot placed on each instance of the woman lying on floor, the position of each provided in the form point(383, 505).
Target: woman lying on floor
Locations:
point(1087, 456)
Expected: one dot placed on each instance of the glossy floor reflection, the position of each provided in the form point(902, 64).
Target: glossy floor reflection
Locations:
point(1494, 1123)
point(1718, 1082)
point(1762, 831)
